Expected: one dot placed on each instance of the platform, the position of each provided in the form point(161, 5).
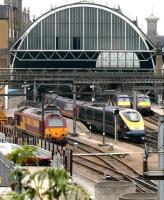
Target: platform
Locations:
point(158, 109)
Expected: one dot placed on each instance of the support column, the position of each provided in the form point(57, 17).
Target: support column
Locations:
point(42, 115)
point(74, 110)
point(134, 100)
point(161, 157)
point(35, 93)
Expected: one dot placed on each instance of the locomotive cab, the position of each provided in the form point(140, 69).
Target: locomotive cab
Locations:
point(121, 100)
point(143, 102)
point(133, 125)
point(55, 127)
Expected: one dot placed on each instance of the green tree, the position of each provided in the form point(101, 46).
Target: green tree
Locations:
point(47, 184)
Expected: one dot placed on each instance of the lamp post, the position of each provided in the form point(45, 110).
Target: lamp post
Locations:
point(103, 142)
point(116, 113)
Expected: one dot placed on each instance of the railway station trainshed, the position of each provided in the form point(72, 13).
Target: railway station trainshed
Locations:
point(83, 35)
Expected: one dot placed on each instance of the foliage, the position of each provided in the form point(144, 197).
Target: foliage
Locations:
point(21, 155)
point(47, 184)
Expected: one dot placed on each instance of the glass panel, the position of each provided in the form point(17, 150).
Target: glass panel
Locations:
point(35, 37)
point(90, 21)
point(76, 42)
point(118, 33)
point(104, 32)
point(76, 28)
point(132, 116)
point(55, 123)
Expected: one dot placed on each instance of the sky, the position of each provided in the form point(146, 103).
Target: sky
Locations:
point(131, 8)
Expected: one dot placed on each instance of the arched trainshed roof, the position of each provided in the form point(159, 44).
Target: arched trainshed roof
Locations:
point(82, 35)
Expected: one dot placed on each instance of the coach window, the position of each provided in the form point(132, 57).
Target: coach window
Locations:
point(76, 42)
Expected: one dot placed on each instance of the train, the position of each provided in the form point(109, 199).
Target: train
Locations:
point(52, 126)
point(143, 102)
point(121, 100)
point(130, 124)
point(3, 116)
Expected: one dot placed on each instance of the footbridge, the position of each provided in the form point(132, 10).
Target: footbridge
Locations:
point(49, 76)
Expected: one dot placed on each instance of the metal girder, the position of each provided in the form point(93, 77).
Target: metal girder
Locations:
point(72, 55)
point(78, 76)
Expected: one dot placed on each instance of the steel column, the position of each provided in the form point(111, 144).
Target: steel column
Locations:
point(161, 157)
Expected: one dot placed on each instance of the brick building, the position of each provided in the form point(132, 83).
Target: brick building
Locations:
point(152, 31)
point(13, 21)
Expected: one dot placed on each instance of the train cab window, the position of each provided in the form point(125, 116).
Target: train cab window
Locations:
point(132, 116)
point(123, 99)
point(55, 122)
point(147, 99)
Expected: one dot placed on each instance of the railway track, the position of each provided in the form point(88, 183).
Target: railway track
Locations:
point(107, 166)
point(151, 129)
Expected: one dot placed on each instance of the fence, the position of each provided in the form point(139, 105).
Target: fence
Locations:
point(60, 156)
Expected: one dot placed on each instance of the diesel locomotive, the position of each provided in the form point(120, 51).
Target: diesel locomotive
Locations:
point(52, 126)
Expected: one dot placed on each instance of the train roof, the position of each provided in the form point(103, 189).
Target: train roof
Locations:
point(142, 95)
point(36, 112)
point(120, 95)
point(108, 108)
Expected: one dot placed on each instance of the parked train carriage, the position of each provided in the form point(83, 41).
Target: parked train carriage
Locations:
point(130, 124)
point(29, 121)
point(3, 116)
point(65, 104)
point(120, 100)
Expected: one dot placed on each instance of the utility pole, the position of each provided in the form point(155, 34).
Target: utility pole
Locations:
point(161, 157)
point(103, 142)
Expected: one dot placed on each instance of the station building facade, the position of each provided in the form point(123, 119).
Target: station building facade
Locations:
point(83, 35)
point(13, 21)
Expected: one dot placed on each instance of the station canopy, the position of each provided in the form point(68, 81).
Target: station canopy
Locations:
point(83, 35)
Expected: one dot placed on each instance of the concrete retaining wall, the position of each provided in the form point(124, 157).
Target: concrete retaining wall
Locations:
point(111, 190)
point(139, 196)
